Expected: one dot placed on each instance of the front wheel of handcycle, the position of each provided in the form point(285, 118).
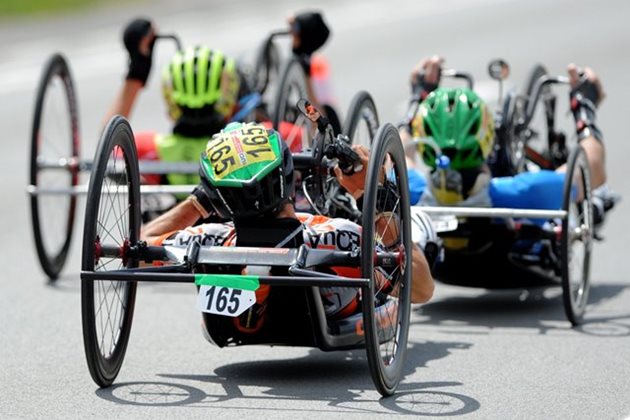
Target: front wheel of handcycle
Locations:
point(362, 120)
point(386, 231)
point(111, 229)
point(577, 236)
point(54, 164)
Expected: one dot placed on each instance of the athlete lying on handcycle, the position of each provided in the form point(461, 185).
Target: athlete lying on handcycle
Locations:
point(247, 178)
point(203, 90)
point(457, 123)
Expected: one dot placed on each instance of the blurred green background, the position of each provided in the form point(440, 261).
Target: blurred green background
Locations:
point(15, 8)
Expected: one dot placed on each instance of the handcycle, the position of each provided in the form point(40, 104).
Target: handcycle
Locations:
point(56, 164)
point(113, 253)
point(281, 81)
point(478, 250)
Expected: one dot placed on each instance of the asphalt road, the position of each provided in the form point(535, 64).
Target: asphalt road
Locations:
point(473, 353)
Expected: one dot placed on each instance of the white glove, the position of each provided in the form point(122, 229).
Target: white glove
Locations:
point(424, 234)
point(422, 228)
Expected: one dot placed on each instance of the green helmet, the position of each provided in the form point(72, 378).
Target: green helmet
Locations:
point(459, 123)
point(247, 170)
point(199, 83)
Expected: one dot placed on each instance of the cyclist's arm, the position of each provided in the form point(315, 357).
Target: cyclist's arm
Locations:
point(422, 284)
point(425, 77)
point(422, 280)
point(123, 104)
point(139, 38)
point(586, 95)
point(179, 217)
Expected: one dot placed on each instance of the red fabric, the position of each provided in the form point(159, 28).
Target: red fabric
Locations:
point(293, 139)
point(147, 150)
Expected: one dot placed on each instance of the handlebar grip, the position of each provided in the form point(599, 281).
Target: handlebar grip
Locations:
point(303, 161)
point(346, 157)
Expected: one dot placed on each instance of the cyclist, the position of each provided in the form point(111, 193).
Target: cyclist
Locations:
point(254, 193)
point(460, 123)
point(203, 89)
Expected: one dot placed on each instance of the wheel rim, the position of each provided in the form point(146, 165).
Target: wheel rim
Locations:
point(387, 230)
point(386, 240)
point(112, 224)
point(54, 164)
point(579, 248)
point(112, 231)
point(577, 236)
point(519, 138)
point(362, 120)
point(364, 133)
point(299, 135)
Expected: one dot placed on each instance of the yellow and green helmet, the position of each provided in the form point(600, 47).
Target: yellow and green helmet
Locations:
point(249, 171)
point(199, 82)
point(459, 123)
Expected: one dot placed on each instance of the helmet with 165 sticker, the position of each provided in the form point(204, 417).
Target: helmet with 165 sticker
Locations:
point(248, 171)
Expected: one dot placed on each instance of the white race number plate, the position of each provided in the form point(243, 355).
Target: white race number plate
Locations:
point(221, 300)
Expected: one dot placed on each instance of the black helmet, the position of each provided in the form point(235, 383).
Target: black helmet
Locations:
point(248, 171)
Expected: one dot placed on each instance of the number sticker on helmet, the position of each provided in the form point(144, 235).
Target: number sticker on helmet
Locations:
point(241, 153)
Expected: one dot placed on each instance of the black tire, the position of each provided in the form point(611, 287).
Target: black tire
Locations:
point(362, 120)
point(112, 225)
point(535, 73)
point(386, 342)
point(513, 155)
point(544, 109)
point(267, 66)
point(54, 138)
point(577, 237)
point(292, 87)
point(333, 118)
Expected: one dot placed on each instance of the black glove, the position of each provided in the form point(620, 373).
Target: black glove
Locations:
point(583, 100)
point(139, 64)
point(588, 90)
point(312, 30)
point(202, 197)
point(421, 88)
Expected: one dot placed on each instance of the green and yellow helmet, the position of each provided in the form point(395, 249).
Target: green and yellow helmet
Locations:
point(248, 170)
point(459, 123)
point(199, 82)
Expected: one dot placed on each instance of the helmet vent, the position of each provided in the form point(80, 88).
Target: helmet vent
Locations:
point(427, 129)
point(451, 104)
point(474, 128)
point(195, 75)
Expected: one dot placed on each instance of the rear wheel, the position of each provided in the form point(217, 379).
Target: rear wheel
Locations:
point(535, 73)
point(554, 150)
point(54, 164)
point(577, 236)
point(112, 227)
point(362, 120)
point(267, 66)
point(512, 137)
point(296, 129)
point(386, 302)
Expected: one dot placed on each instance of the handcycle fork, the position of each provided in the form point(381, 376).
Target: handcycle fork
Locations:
point(192, 255)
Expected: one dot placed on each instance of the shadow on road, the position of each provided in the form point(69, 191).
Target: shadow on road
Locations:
point(340, 380)
point(533, 310)
point(65, 283)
